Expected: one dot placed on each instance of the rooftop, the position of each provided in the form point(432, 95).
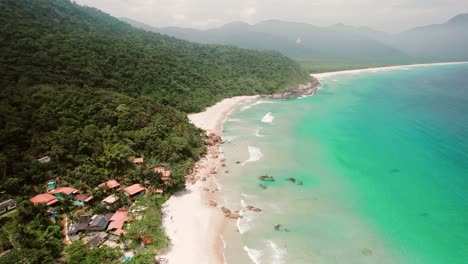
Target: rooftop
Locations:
point(7, 203)
point(134, 189)
point(110, 199)
point(83, 197)
point(138, 160)
point(65, 190)
point(110, 184)
point(117, 221)
point(46, 198)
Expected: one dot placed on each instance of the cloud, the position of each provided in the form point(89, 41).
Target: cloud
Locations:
point(250, 11)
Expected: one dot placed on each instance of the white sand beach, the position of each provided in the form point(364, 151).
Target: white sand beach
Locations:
point(193, 226)
point(377, 69)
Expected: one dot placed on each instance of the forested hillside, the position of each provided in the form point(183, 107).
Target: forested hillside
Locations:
point(58, 42)
point(91, 92)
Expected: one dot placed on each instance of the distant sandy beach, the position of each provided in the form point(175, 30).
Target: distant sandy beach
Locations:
point(193, 226)
point(328, 74)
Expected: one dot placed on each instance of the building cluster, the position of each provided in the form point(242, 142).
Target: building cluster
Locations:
point(98, 229)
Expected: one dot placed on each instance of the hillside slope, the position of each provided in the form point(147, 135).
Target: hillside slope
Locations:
point(63, 43)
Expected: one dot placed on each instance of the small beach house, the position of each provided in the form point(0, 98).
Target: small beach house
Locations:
point(81, 199)
point(45, 198)
point(7, 205)
point(64, 192)
point(134, 190)
point(137, 161)
point(110, 185)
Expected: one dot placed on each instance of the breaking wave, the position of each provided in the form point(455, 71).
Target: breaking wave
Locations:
point(255, 154)
point(268, 118)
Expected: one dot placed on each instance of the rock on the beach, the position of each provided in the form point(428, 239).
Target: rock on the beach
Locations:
point(253, 208)
point(213, 203)
point(234, 216)
point(225, 210)
point(206, 189)
point(213, 171)
point(208, 142)
point(203, 179)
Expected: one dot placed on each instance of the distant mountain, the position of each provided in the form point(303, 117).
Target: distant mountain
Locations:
point(297, 40)
point(338, 42)
point(447, 41)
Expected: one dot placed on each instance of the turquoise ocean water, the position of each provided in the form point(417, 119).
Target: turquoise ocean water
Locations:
point(381, 167)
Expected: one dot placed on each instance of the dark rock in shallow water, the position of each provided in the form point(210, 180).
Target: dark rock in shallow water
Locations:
point(291, 179)
point(277, 227)
point(424, 214)
point(266, 178)
point(300, 183)
point(393, 171)
point(262, 186)
point(366, 252)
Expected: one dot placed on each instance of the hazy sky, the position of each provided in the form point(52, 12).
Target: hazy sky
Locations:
point(387, 15)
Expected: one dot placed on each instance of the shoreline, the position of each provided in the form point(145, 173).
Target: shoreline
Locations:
point(320, 76)
point(191, 220)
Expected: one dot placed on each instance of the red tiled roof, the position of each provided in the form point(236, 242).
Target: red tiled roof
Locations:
point(83, 197)
point(134, 189)
point(159, 191)
point(117, 221)
point(46, 198)
point(110, 184)
point(120, 215)
point(65, 190)
point(137, 160)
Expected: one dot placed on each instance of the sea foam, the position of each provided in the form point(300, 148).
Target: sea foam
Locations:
point(278, 253)
point(243, 223)
point(255, 154)
point(268, 118)
point(254, 254)
point(257, 103)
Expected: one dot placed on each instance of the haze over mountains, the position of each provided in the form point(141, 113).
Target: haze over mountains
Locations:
point(438, 42)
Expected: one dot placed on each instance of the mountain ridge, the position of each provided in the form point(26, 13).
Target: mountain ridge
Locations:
point(338, 41)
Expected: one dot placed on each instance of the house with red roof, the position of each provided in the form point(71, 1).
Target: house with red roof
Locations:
point(110, 184)
point(138, 160)
point(62, 192)
point(117, 221)
point(45, 198)
point(81, 199)
point(159, 191)
point(135, 189)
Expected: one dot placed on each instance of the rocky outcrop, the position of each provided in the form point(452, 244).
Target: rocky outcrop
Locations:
point(253, 208)
point(266, 178)
point(307, 89)
point(233, 216)
point(225, 210)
